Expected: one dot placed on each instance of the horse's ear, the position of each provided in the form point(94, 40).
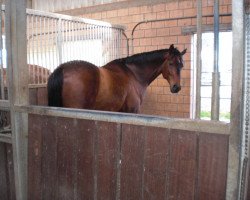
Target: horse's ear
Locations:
point(183, 52)
point(171, 47)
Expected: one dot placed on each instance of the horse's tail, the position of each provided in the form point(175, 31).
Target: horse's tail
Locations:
point(54, 87)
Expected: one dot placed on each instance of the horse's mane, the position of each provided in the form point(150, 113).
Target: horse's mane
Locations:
point(147, 57)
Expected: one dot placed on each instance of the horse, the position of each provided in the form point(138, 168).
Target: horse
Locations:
point(118, 86)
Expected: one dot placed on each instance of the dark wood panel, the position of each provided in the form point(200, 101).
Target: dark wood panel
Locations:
point(108, 147)
point(182, 169)
point(66, 157)
point(85, 159)
point(49, 158)
point(132, 159)
point(33, 96)
point(4, 187)
point(212, 172)
point(156, 163)
point(11, 175)
point(34, 157)
point(42, 96)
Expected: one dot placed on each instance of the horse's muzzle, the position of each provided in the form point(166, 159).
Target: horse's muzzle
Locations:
point(175, 88)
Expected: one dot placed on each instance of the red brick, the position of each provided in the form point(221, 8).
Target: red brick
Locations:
point(112, 13)
point(171, 23)
point(183, 107)
point(150, 33)
point(149, 16)
point(175, 13)
point(177, 98)
point(175, 31)
point(164, 98)
point(159, 8)
point(226, 20)
point(171, 107)
point(145, 41)
point(223, 9)
point(207, 10)
point(189, 12)
point(186, 4)
point(163, 15)
point(151, 48)
point(157, 90)
point(162, 82)
point(122, 12)
point(184, 39)
point(137, 18)
point(162, 32)
point(185, 22)
point(172, 6)
point(158, 24)
point(146, 9)
point(134, 10)
point(139, 34)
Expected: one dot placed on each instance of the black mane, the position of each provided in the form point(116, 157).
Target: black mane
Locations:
point(156, 56)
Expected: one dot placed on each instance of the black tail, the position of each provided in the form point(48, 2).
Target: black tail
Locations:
point(54, 87)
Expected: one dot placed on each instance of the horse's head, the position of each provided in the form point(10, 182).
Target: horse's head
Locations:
point(171, 69)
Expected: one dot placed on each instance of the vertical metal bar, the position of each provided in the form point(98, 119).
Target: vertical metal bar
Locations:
point(236, 100)
point(198, 60)
point(37, 51)
point(40, 63)
point(44, 79)
point(1, 61)
point(59, 40)
point(18, 89)
point(33, 49)
point(49, 47)
point(215, 102)
point(28, 45)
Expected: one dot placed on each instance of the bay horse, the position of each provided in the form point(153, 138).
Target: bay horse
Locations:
point(117, 86)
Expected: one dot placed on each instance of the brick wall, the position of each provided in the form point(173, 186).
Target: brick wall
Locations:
point(156, 35)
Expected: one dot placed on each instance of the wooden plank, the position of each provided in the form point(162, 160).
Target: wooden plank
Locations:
point(34, 157)
point(156, 162)
point(132, 159)
point(42, 99)
point(212, 172)
point(108, 148)
point(66, 160)
point(3, 172)
point(33, 96)
point(85, 159)
point(11, 175)
point(49, 158)
point(182, 169)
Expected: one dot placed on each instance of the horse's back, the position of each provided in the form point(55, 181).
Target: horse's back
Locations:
point(80, 84)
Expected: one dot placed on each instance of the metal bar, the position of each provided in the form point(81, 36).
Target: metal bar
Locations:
point(126, 118)
point(246, 117)
point(18, 89)
point(1, 61)
point(59, 40)
point(215, 101)
point(236, 100)
point(167, 19)
point(198, 60)
point(6, 138)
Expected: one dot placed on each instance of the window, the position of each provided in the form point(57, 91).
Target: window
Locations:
point(225, 69)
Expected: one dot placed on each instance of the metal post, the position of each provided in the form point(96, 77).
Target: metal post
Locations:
point(18, 89)
point(198, 60)
point(59, 40)
point(215, 102)
point(236, 99)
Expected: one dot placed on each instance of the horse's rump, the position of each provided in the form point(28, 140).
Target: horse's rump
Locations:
point(70, 81)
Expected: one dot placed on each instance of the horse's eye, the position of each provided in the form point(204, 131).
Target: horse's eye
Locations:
point(171, 63)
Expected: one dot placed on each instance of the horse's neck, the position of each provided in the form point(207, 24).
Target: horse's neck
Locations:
point(146, 74)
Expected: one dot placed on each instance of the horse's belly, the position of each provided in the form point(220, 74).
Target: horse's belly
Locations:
point(111, 94)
